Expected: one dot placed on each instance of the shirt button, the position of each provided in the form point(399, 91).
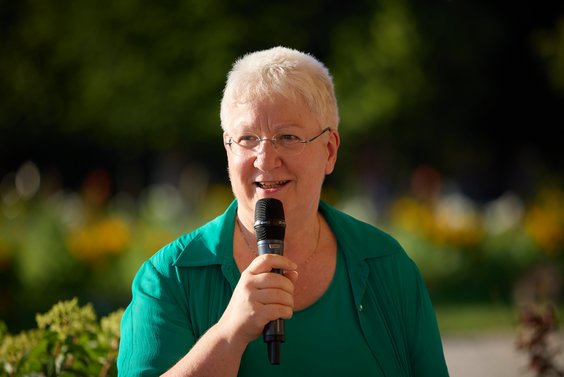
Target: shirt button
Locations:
point(360, 307)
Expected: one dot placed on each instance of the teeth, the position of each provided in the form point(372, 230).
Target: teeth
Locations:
point(271, 185)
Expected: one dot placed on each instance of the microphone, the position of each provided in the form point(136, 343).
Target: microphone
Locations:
point(270, 228)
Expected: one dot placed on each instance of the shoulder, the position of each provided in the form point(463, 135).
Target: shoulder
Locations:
point(205, 245)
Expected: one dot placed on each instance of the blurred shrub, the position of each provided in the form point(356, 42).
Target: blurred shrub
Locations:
point(471, 251)
point(60, 244)
point(537, 335)
point(68, 340)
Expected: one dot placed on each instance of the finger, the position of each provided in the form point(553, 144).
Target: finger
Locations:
point(292, 276)
point(275, 311)
point(267, 262)
point(274, 297)
point(270, 281)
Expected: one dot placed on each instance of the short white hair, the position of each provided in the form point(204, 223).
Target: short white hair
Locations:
point(285, 72)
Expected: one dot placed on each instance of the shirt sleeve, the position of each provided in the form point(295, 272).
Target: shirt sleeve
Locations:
point(427, 357)
point(155, 329)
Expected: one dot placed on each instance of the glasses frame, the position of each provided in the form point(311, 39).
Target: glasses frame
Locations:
point(274, 143)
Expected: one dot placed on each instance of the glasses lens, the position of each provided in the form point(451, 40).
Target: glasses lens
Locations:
point(238, 149)
point(290, 148)
point(287, 145)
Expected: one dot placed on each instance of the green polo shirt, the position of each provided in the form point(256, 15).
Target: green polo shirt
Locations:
point(184, 288)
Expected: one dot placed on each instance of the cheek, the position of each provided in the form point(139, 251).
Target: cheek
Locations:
point(317, 164)
point(238, 168)
point(312, 172)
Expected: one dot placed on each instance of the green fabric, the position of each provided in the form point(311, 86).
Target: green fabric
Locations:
point(318, 339)
point(184, 288)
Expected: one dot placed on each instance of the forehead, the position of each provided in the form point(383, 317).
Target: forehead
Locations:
point(271, 114)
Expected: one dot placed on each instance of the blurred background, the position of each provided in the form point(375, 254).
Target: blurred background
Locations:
point(110, 144)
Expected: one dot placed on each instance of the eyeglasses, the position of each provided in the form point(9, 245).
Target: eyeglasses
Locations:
point(285, 144)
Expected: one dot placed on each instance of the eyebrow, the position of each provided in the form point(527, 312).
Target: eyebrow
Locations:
point(275, 128)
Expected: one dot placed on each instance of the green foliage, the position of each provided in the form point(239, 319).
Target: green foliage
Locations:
point(133, 76)
point(68, 341)
point(473, 319)
point(121, 71)
point(74, 244)
point(550, 48)
point(384, 66)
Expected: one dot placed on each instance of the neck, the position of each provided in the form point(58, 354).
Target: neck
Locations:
point(301, 237)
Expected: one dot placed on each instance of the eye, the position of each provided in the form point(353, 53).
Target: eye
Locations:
point(288, 139)
point(248, 140)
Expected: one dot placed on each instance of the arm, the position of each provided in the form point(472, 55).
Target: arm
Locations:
point(427, 358)
point(155, 330)
point(259, 298)
point(158, 335)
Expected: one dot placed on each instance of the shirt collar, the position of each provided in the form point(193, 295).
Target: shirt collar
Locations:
point(213, 242)
point(210, 244)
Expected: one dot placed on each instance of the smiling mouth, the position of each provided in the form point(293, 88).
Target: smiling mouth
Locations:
point(270, 185)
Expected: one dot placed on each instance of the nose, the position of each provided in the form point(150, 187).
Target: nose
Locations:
point(267, 156)
point(263, 145)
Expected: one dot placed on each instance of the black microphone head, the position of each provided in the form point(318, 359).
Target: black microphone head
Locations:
point(269, 219)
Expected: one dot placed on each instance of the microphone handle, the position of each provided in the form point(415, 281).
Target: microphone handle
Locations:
point(273, 333)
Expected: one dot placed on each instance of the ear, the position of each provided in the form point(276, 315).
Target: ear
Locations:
point(225, 139)
point(332, 148)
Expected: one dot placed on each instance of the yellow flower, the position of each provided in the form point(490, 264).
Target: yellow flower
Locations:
point(99, 239)
point(544, 220)
point(413, 215)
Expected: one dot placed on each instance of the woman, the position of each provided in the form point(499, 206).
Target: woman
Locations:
point(353, 302)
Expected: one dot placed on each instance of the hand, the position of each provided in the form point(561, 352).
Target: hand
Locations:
point(260, 297)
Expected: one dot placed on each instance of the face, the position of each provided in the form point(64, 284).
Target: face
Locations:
point(295, 180)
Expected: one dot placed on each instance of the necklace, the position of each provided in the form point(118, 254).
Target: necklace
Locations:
point(312, 254)
point(254, 250)
point(242, 232)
